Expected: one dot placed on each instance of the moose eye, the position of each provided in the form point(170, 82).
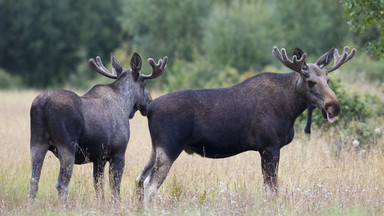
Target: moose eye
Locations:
point(311, 83)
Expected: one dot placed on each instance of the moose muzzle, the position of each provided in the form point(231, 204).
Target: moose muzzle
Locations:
point(331, 108)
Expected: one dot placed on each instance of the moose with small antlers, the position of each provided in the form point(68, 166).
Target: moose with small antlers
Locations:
point(257, 114)
point(90, 128)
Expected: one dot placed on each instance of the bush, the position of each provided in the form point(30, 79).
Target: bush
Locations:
point(241, 35)
point(199, 74)
point(9, 82)
point(357, 135)
point(362, 66)
point(165, 27)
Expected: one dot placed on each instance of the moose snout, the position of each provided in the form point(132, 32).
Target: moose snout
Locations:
point(334, 110)
point(331, 110)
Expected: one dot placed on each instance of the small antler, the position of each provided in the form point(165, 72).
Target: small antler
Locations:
point(341, 59)
point(157, 69)
point(295, 65)
point(99, 67)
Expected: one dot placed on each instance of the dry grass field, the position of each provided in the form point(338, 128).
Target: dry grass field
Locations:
point(312, 180)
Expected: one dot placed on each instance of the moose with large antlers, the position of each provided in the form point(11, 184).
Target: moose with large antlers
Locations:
point(90, 128)
point(257, 114)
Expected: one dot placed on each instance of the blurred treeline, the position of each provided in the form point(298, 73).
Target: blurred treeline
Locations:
point(210, 43)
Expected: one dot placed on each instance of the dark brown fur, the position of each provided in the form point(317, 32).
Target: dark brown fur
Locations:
point(257, 114)
point(89, 128)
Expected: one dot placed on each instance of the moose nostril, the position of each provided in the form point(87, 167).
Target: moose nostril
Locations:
point(333, 111)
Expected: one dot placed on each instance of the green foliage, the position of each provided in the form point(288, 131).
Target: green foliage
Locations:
point(363, 15)
point(41, 40)
point(356, 106)
point(177, 189)
point(9, 82)
point(314, 26)
point(199, 74)
point(359, 134)
point(374, 71)
point(47, 43)
point(85, 77)
point(201, 197)
point(240, 34)
point(365, 67)
point(165, 27)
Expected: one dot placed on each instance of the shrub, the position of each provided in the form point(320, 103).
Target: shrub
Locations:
point(364, 66)
point(360, 134)
point(9, 82)
point(199, 74)
point(241, 35)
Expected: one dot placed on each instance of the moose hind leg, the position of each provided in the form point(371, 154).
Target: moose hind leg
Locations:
point(67, 160)
point(116, 170)
point(38, 152)
point(160, 171)
point(144, 174)
point(269, 165)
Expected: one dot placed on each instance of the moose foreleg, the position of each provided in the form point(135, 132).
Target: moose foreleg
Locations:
point(269, 165)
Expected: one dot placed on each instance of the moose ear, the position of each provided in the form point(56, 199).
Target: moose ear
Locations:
point(136, 62)
point(136, 65)
point(116, 67)
point(325, 59)
point(299, 53)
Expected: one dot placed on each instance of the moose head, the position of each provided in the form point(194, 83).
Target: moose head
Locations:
point(313, 80)
point(135, 85)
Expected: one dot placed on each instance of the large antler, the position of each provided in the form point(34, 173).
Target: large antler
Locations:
point(99, 67)
point(157, 69)
point(341, 59)
point(295, 65)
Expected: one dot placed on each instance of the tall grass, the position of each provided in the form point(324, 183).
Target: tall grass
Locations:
point(313, 181)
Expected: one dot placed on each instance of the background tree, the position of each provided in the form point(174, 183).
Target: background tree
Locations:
point(368, 17)
point(43, 41)
point(172, 27)
point(48, 43)
point(314, 26)
point(238, 34)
